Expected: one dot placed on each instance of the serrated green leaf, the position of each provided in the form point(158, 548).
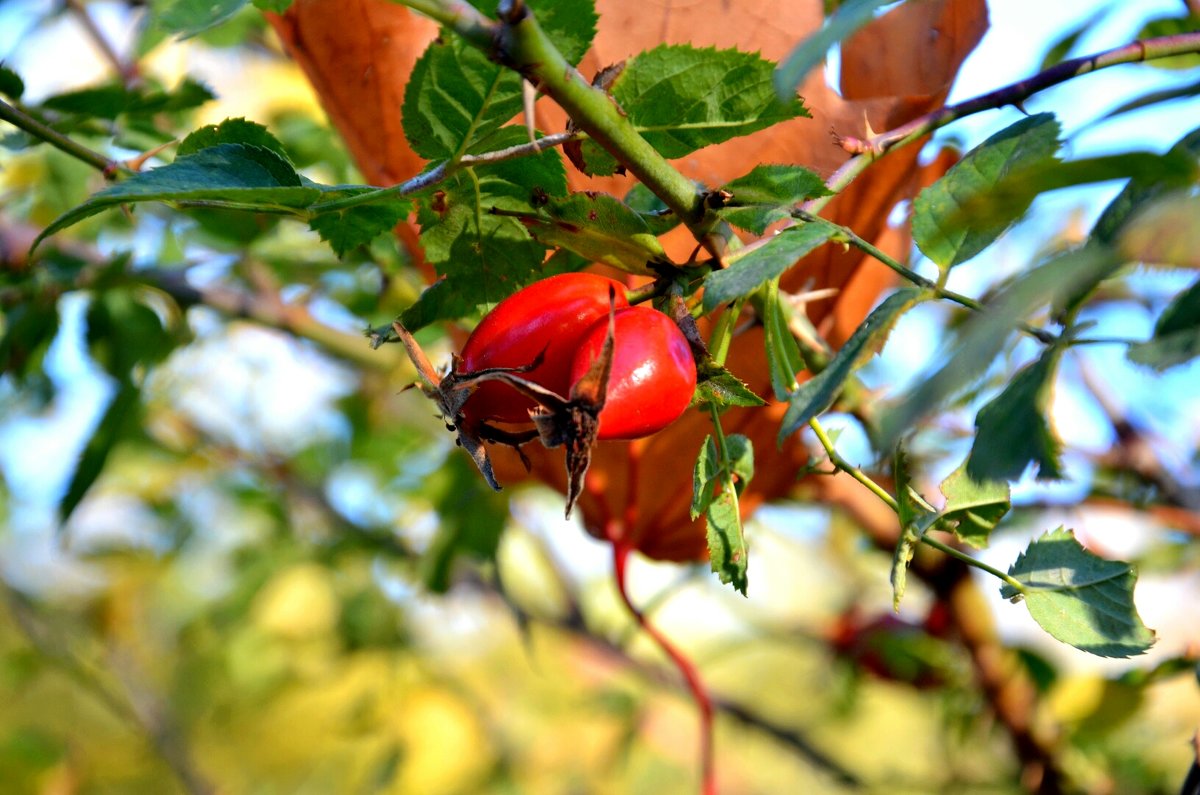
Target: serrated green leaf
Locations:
point(455, 98)
point(599, 228)
point(1079, 598)
point(973, 508)
point(768, 194)
point(11, 84)
point(727, 541)
point(229, 175)
point(818, 393)
point(750, 271)
point(186, 18)
point(482, 257)
point(849, 17)
point(1011, 431)
point(1176, 334)
point(347, 229)
point(717, 386)
point(942, 228)
point(1164, 232)
point(683, 98)
point(569, 24)
point(231, 131)
point(704, 472)
point(914, 518)
point(783, 354)
point(983, 337)
point(716, 485)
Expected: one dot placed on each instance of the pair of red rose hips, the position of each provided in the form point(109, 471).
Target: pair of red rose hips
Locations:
point(565, 320)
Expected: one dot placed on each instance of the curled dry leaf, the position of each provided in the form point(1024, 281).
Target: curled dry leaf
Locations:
point(896, 68)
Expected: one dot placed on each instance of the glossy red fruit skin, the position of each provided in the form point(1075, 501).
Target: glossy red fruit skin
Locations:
point(653, 374)
point(548, 317)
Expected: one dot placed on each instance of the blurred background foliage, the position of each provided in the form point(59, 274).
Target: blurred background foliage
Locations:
point(285, 579)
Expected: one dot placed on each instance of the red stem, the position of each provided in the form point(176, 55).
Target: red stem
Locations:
point(708, 780)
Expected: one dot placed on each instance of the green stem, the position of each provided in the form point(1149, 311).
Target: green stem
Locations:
point(958, 554)
point(25, 122)
point(836, 459)
point(1041, 335)
point(722, 336)
point(520, 43)
point(840, 463)
point(868, 151)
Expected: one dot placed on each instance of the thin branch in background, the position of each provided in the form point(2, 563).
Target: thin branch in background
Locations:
point(868, 150)
point(127, 70)
point(137, 705)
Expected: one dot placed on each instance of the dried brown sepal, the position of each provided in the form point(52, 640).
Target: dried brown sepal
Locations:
point(574, 421)
point(450, 394)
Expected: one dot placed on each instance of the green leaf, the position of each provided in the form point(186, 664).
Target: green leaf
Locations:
point(983, 337)
point(1165, 232)
point(228, 175)
point(943, 228)
point(598, 228)
point(768, 194)
point(455, 98)
point(1176, 334)
point(818, 393)
point(973, 508)
point(1066, 43)
point(11, 84)
point(715, 496)
point(346, 230)
point(483, 257)
point(113, 100)
point(1012, 193)
point(1141, 191)
point(721, 388)
point(749, 271)
point(915, 519)
point(849, 17)
point(231, 131)
point(189, 17)
point(1151, 98)
point(1011, 430)
point(471, 518)
point(274, 6)
point(683, 98)
point(569, 24)
point(653, 211)
point(118, 419)
point(1079, 598)
point(783, 354)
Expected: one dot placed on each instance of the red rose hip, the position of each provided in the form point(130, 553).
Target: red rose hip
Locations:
point(549, 317)
point(653, 374)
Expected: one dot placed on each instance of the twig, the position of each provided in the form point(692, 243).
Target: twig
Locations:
point(24, 121)
point(708, 781)
point(878, 145)
point(136, 706)
point(517, 41)
point(443, 171)
point(127, 70)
